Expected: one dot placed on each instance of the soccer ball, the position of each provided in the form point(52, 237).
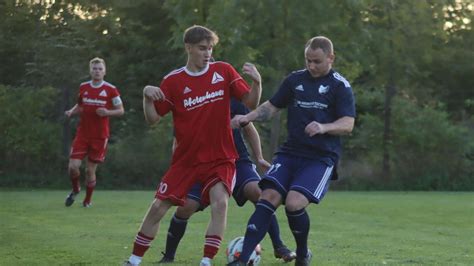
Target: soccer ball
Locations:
point(235, 248)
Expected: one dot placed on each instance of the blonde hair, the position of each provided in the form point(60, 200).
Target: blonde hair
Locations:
point(320, 42)
point(196, 34)
point(96, 60)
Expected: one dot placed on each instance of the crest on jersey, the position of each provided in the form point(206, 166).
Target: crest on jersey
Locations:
point(186, 90)
point(299, 88)
point(85, 93)
point(103, 93)
point(216, 78)
point(323, 89)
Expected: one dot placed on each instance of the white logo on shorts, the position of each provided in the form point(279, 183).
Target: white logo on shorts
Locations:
point(274, 168)
point(163, 188)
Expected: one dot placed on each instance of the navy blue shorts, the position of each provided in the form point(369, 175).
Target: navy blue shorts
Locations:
point(310, 177)
point(246, 172)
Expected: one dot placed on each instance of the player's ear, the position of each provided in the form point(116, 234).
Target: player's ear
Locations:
point(187, 47)
point(332, 57)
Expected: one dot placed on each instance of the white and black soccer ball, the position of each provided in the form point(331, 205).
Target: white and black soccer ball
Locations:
point(234, 249)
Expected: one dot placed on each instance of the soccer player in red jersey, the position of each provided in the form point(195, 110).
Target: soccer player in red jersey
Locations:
point(97, 101)
point(198, 96)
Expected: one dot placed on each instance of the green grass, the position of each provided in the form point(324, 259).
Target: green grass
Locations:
point(348, 228)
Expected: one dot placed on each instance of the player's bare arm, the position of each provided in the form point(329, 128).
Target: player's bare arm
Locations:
point(252, 99)
point(263, 113)
point(342, 126)
point(73, 111)
point(150, 94)
point(116, 111)
point(251, 136)
point(153, 93)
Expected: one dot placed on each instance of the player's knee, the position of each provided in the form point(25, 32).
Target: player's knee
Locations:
point(220, 204)
point(272, 196)
point(187, 210)
point(252, 192)
point(158, 209)
point(183, 213)
point(295, 201)
point(90, 174)
point(293, 206)
point(73, 169)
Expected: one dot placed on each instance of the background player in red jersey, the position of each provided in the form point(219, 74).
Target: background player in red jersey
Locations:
point(198, 96)
point(97, 101)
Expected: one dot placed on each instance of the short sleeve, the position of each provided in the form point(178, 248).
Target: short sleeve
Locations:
point(115, 97)
point(283, 96)
point(238, 86)
point(345, 103)
point(163, 107)
point(114, 92)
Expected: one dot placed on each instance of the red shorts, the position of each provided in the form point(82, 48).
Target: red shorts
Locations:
point(94, 149)
point(178, 180)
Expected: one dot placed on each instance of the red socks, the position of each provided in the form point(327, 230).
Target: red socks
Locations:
point(76, 187)
point(141, 244)
point(90, 189)
point(211, 247)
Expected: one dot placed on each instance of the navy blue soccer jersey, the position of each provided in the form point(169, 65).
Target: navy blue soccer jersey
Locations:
point(323, 99)
point(238, 108)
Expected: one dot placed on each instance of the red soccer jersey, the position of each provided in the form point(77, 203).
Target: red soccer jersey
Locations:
point(91, 125)
point(200, 103)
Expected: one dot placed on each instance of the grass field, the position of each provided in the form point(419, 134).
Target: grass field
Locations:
point(348, 228)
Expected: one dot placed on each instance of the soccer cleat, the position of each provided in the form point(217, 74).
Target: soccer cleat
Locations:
point(128, 263)
point(165, 259)
point(70, 198)
point(306, 261)
point(205, 262)
point(86, 204)
point(284, 253)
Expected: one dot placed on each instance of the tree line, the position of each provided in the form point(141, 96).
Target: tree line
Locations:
point(409, 63)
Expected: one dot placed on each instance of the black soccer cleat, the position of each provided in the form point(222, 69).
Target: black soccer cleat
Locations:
point(284, 253)
point(165, 259)
point(306, 261)
point(70, 199)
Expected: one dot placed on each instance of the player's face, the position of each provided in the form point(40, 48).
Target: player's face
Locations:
point(199, 54)
point(317, 62)
point(97, 71)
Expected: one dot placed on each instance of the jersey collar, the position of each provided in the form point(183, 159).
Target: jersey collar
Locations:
point(308, 75)
point(195, 74)
point(97, 86)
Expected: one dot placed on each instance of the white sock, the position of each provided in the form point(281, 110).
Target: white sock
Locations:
point(135, 260)
point(205, 261)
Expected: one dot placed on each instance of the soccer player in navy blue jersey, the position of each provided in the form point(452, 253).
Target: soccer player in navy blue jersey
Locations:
point(320, 107)
point(246, 188)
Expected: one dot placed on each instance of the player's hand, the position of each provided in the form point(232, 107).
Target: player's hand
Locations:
point(251, 70)
point(153, 93)
point(239, 121)
point(68, 113)
point(263, 165)
point(102, 112)
point(314, 128)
